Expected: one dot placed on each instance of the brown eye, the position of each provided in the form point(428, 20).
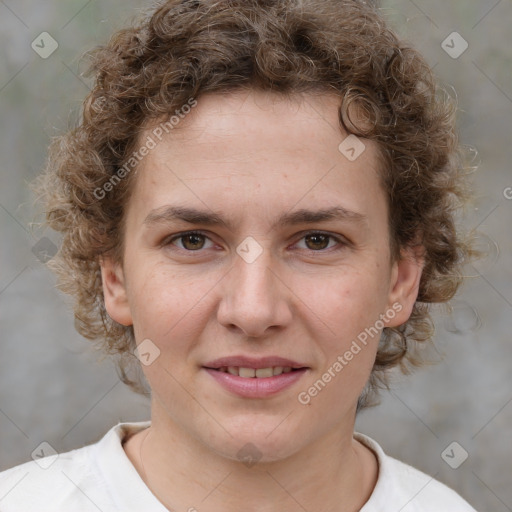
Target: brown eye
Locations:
point(317, 241)
point(192, 241)
point(320, 242)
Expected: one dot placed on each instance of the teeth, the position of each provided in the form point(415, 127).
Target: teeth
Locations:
point(246, 372)
point(255, 373)
point(264, 372)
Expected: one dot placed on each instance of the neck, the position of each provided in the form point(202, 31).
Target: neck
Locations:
point(333, 473)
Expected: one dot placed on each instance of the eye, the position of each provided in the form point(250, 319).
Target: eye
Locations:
point(194, 241)
point(318, 241)
point(190, 241)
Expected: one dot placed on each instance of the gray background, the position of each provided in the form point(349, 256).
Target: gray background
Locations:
point(54, 388)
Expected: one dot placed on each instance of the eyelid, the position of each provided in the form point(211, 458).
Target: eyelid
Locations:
point(169, 239)
point(340, 240)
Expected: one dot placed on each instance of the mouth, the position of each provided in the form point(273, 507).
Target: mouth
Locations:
point(255, 378)
point(256, 373)
point(254, 368)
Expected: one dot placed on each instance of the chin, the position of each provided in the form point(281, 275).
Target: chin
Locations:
point(258, 441)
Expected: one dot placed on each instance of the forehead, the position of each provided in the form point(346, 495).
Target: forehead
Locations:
point(256, 119)
point(262, 150)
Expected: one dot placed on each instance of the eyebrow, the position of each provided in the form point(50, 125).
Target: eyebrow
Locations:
point(169, 213)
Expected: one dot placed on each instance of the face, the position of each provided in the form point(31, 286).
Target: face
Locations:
point(288, 265)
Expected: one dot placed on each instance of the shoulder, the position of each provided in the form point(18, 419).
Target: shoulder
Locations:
point(46, 482)
point(430, 494)
point(73, 480)
point(407, 488)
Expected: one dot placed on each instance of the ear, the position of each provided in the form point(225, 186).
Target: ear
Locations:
point(405, 283)
point(114, 291)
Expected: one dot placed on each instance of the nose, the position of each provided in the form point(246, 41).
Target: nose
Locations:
point(254, 298)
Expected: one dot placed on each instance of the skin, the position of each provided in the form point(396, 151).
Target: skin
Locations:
point(250, 157)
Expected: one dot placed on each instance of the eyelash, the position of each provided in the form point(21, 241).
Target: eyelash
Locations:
point(342, 243)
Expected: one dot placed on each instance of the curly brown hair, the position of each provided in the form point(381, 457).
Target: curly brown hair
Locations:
point(183, 49)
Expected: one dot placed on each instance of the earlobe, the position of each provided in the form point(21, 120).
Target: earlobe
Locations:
point(114, 291)
point(405, 283)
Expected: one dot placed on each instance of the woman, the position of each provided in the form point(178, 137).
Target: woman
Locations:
point(257, 208)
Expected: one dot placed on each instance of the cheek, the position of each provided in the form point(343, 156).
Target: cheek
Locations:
point(167, 310)
point(350, 306)
point(347, 302)
point(151, 296)
point(168, 307)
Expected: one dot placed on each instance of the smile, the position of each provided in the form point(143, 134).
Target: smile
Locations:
point(256, 383)
point(258, 373)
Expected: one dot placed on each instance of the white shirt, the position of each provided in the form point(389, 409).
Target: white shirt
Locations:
point(100, 477)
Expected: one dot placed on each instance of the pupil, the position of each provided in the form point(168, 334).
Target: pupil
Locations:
point(195, 239)
point(316, 238)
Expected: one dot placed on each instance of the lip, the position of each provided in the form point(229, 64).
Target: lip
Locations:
point(255, 387)
point(251, 362)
